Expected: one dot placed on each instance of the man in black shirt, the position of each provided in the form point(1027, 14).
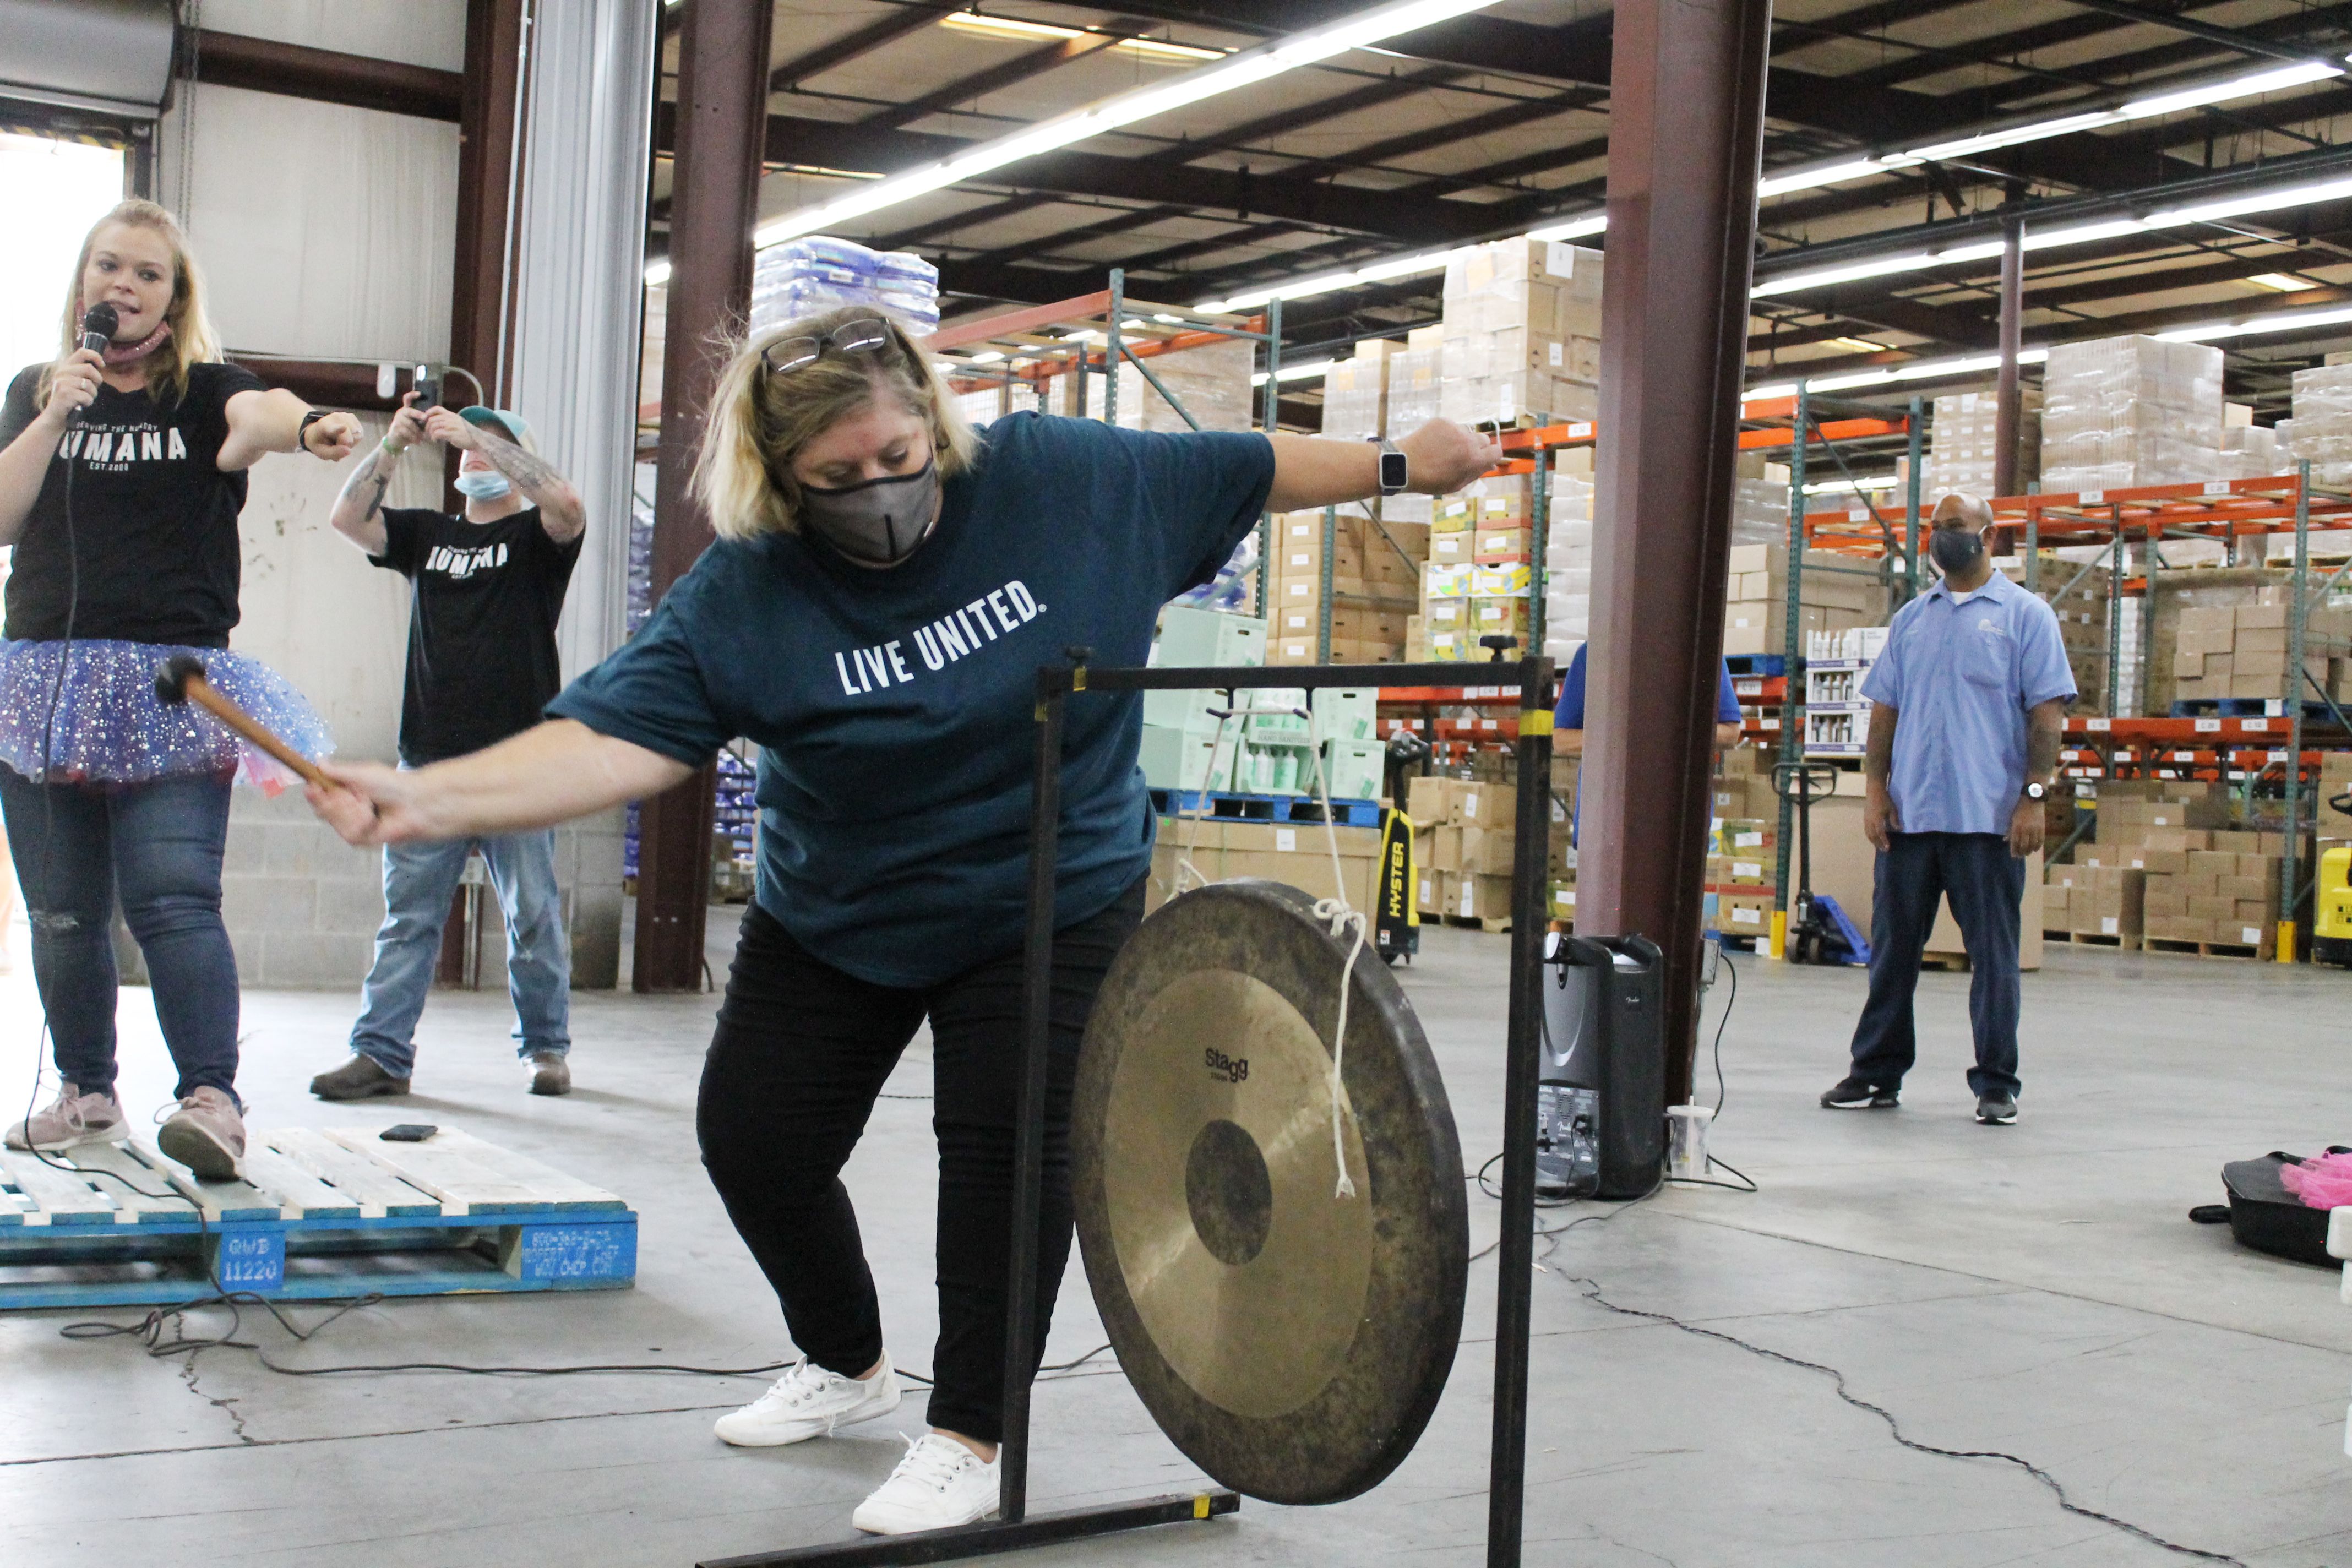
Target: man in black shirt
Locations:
point(486, 590)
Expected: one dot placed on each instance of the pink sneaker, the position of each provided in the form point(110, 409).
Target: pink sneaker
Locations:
point(207, 1135)
point(76, 1118)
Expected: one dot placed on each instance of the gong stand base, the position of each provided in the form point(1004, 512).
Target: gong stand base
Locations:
point(993, 1536)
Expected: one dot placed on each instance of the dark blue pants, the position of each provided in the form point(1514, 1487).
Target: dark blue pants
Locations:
point(158, 848)
point(1987, 885)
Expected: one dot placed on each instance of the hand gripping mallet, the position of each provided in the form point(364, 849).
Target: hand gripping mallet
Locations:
point(181, 679)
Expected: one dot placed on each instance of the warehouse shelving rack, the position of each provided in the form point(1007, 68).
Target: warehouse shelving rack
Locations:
point(2289, 737)
point(1095, 334)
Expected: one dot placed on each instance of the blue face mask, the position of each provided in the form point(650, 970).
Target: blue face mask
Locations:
point(484, 484)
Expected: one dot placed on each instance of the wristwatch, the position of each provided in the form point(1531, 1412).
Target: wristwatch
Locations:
point(2037, 791)
point(303, 432)
point(1396, 473)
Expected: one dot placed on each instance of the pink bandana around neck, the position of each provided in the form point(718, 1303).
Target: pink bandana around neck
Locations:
point(131, 354)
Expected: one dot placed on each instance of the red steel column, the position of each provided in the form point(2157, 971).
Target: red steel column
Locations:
point(1686, 124)
point(721, 135)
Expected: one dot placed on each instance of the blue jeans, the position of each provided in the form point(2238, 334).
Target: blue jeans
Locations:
point(419, 880)
point(157, 847)
point(1987, 885)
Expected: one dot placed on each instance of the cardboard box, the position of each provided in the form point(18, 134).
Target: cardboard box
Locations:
point(1295, 854)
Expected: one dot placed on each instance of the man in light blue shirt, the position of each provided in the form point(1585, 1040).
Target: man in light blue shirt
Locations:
point(1971, 696)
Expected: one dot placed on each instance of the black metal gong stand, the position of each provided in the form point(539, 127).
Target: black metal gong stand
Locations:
point(1015, 1528)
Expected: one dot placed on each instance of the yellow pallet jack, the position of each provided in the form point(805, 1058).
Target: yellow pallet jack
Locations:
point(2331, 900)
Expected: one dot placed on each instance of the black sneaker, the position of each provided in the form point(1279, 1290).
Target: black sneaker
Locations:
point(1996, 1110)
point(1860, 1094)
point(361, 1077)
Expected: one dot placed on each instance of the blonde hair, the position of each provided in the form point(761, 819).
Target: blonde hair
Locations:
point(759, 421)
point(193, 340)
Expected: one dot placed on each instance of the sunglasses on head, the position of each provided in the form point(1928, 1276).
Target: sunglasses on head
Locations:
point(864, 336)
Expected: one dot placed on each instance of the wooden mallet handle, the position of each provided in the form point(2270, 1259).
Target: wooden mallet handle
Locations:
point(181, 679)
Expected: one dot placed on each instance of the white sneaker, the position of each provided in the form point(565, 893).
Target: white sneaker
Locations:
point(809, 1402)
point(939, 1484)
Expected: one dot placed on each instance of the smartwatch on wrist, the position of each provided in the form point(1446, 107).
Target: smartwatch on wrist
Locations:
point(302, 434)
point(1396, 471)
point(2037, 791)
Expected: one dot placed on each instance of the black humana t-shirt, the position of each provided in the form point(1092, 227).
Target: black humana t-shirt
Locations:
point(481, 629)
point(154, 520)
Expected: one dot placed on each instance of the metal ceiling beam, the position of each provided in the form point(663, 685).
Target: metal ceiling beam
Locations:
point(909, 18)
point(996, 78)
point(324, 76)
point(2235, 39)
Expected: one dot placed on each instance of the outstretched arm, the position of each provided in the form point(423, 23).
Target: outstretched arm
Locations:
point(1310, 471)
point(551, 772)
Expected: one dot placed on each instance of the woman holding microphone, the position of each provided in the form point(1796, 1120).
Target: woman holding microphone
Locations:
point(885, 585)
point(122, 474)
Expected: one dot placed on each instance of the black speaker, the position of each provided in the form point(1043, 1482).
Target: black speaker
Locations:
point(1602, 1033)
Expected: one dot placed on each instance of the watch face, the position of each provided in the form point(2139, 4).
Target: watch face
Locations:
point(1394, 474)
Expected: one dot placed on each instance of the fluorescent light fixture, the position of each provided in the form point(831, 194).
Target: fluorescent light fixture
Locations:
point(2222, 92)
point(2279, 282)
point(1875, 267)
point(1811, 179)
point(1326, 282)
point(1228, 74)
point(1922, 369)
point(1314, 371)
point(1014, 27)
point(1859, 345)
point(2254, 202)
point(657, 273)
point(2285, 322)
point(1851, 487)
point(1583, 227)
point(986, 356)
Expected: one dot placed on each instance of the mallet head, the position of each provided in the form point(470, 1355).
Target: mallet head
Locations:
point(171, 681)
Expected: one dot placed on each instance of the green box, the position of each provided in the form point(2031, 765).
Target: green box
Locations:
point(1180, 759)
point(1353, 770)
point(1348, 714)
point(1188, 710)
point(1284, 727)
point(1190, 637)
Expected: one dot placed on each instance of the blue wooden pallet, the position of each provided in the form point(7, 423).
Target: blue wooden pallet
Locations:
point(317, 1215)
point(1765, 664)
point(2242, 708)
point(1298, 808)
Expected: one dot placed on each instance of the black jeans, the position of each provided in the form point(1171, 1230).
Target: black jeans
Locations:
point(1986, 884)
point(801, 1052)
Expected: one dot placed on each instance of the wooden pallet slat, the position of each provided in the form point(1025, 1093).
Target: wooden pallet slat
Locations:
point(299, 1194)
point(64, 1198)
point(463, 1186)
point(544, 1181)
point(140, 1192)
point(234, 1199)
point(379, 1192)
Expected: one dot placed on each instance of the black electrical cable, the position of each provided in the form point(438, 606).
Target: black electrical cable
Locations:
point(1591, 1292)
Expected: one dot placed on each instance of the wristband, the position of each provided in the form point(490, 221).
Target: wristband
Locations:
point(387, 446)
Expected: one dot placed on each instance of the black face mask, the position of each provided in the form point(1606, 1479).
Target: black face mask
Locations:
point(1955, 549)
point(878, 522)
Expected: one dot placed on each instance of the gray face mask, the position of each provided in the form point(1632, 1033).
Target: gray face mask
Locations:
point(1955, 549)
point(879, 522)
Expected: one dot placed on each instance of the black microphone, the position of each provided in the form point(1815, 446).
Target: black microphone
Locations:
point(98, 324)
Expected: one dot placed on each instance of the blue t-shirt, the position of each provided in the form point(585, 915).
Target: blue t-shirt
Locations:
point(1961, 671)
point(894, 709)
point(1569, 715)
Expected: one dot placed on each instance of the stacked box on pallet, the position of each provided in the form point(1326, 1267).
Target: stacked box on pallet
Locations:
point(1465, 835)
point(2252, 452)
point(2124, 412)
point(1220, 849)
point(2092, 899)
point(1756, 594)
point(1375, 581)
point(1760, 510)
point(1743, 860)
point(1212, 382)
point(1478, 579)
point(2203, 880)
point(816, 272)
point(1963, 445)
point(1568, 567)
point(1521, 333)
point(2242, 651)
point(1185, 745)
point(2321, 431)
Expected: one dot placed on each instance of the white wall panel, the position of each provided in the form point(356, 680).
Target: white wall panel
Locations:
point(414, 32)
point(324, 232)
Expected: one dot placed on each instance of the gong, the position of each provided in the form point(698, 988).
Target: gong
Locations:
point(1291, 1342)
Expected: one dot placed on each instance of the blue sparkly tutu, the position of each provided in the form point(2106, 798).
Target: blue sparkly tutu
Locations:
point(110, 728)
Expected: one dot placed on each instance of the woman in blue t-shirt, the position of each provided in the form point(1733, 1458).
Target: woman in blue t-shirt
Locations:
point(885, 584)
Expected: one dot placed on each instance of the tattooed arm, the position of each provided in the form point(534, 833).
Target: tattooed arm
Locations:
point(359, 508)
point(560, 511)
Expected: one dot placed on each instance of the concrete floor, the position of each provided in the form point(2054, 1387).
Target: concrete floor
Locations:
point(2035, 1289)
